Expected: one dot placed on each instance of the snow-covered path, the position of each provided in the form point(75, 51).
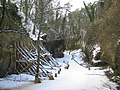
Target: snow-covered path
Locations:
point(74, 78)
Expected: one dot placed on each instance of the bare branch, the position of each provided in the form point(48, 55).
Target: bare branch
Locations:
point(47, 3)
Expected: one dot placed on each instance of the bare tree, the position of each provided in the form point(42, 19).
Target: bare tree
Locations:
point(42, 4)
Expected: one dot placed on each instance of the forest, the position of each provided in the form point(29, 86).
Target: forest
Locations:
point(28, 28)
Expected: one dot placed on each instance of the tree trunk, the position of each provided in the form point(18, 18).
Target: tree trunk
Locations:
point(3, 2)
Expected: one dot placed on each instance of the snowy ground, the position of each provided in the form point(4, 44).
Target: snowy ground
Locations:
point(76, 77)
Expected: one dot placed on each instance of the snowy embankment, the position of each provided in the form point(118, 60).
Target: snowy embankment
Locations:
point(77, 77)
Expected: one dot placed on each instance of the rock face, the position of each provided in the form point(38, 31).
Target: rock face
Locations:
point(7, 52)
point(4, 62)
point(55, 47)
point(6, 40)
